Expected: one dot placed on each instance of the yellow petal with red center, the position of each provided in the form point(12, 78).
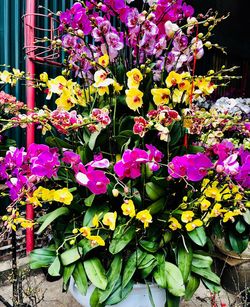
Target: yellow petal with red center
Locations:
point(134, 98)
point(134, 78)
point(173, 79)
point(160, 95)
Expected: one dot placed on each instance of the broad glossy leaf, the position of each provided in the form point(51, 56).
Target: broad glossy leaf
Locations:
point(154, 191)
point(96, 273)
point(89, 200)
point(94, 299)
point(54, 268)
point(157, 206)
point(238, 244)
point(184, 260)
point(214, 288)
point(201, 261)
point(50, 217)
point(240, 227)
point(67, 273)
point(92, 140)
point(171, 300)
point(207, 274)
point(149, 246)
point(198, 236)
point(80, 278)
point(113, 276)
point(121, 237)
point(191, 286)
point(120, 293)
point(42, 257)
point(159, 272)
point(175, 284)
point(71, 255)
point(129, 270)
point(246, 216)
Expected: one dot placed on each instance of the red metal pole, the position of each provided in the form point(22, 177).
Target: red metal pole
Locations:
point(29, 28)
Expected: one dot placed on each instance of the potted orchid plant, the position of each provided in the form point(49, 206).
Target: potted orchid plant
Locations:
point(130, 186)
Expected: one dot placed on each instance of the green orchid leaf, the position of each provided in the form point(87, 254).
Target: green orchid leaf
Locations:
point(89, 200)
point(184, 256)
point(50, 217)
point(123, 234)
point(113, 276)
point(240, 227)
point(93, 138)
point(94, 299)
point(198, 236)
point(207, 274)
point(120, 293)
point(154, 191)
point(246, 216)
point(54, 268)
point(201, 261)
point(80, 278)
point(149, 246)
point(71, 255)
point(191, 286)
point(67, 273)
point(157, 206)
point(238, 244)
point(172, 300)
point(129, 270)
point(175, 283)
point(213, 287)
point(96, 273)
point(42, 257)
point(159, 273)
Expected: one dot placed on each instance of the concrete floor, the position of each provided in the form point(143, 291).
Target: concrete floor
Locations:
point(53, 296)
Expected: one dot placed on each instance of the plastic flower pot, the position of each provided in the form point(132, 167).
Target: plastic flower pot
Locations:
point(138, 297)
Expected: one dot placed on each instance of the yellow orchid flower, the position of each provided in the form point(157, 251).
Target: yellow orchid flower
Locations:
point(217, 211)
point(187, 216)
point(128, 208)
point(66, 101)
point(34, 201)
point(96, 240)
point(95, 221)
point(173, 79)
point(56, 86)
point(134, 98)
point(63, 196)
point(174, 224)
point(195, 223)
point(205, 204)
point(117, 87)
point(5, 76)
point(134, 78)
point(109, 219)
point(104, 60)
point(85, 231)
point(213, 192)
point(160, 95)
point(230, 215)
point(145, 217)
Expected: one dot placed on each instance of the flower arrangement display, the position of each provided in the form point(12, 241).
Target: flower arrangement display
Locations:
point(134, 177)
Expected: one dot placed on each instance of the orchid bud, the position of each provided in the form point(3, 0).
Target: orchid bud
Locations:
point(75, 231)
point(126, 190)
point(115, 192)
